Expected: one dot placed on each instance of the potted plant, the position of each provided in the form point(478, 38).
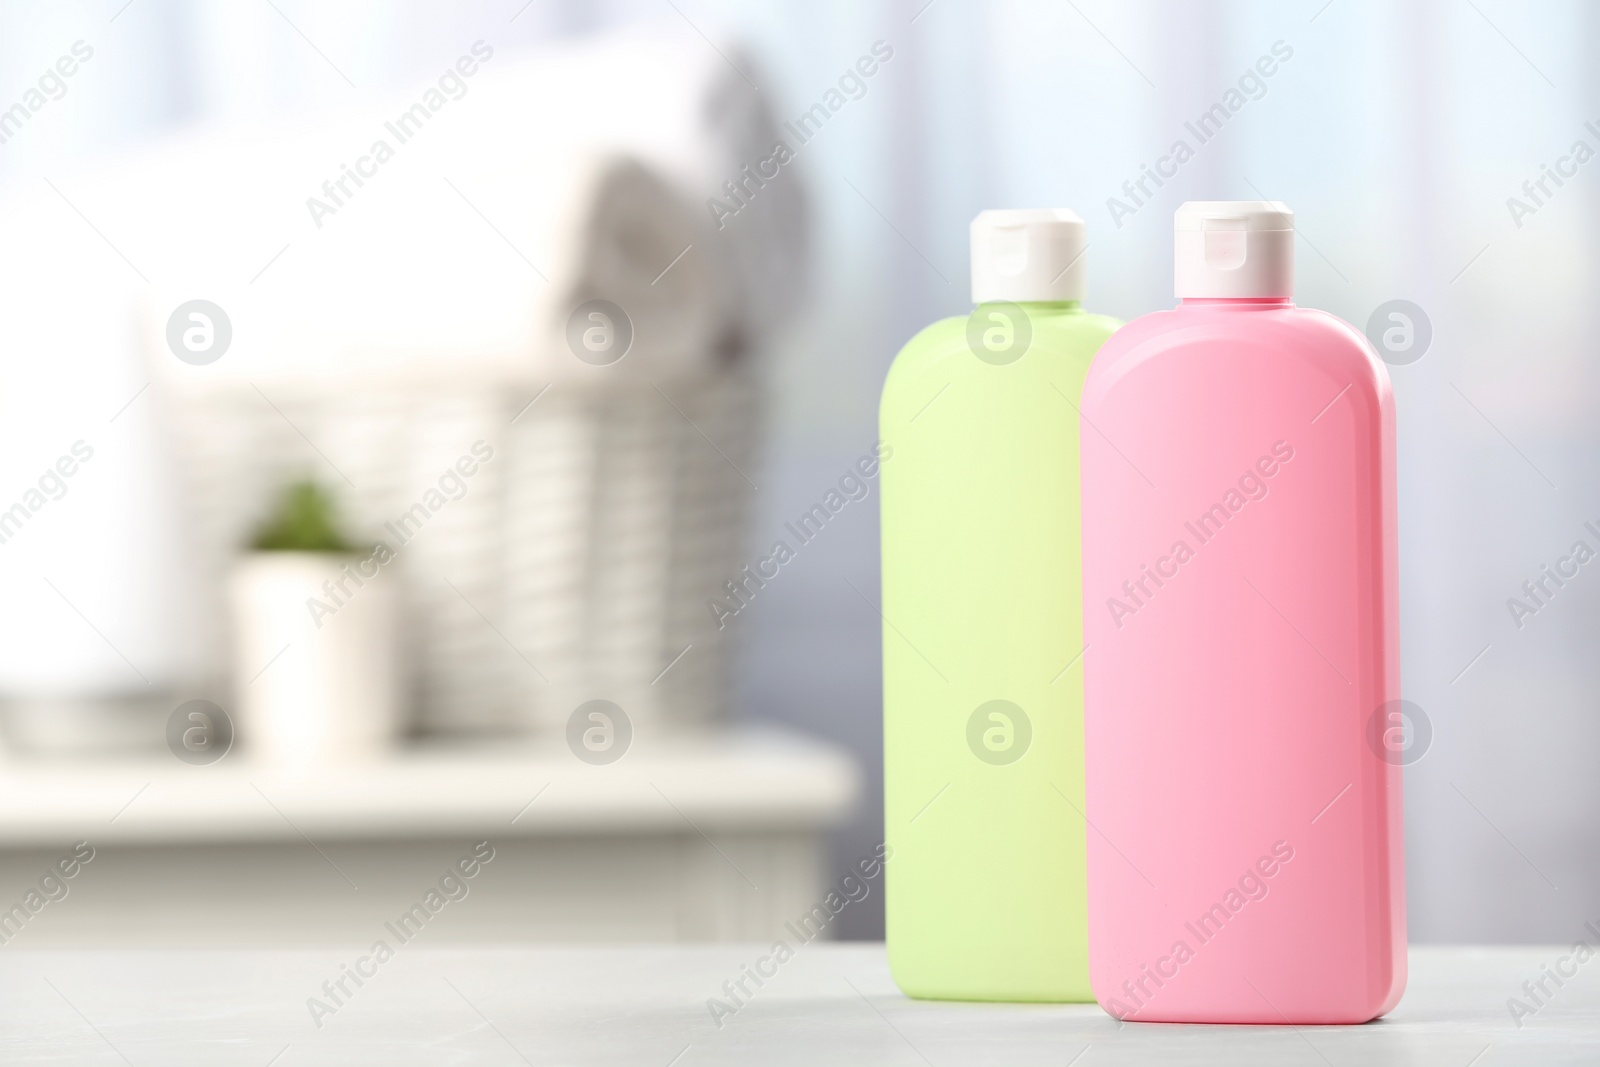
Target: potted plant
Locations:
point(314, 629)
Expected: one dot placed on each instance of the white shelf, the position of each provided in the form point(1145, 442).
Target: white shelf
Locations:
point(730, 782)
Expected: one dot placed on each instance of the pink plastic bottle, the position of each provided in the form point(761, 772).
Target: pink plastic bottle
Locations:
point(1245, 860)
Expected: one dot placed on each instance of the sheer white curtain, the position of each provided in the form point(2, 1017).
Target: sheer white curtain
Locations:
point(1397, 132)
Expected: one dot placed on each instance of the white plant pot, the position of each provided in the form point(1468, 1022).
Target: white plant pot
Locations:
point(316, 672)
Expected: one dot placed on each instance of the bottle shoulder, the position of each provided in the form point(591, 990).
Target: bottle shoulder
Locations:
point(1077, 334)
point(1321, 343)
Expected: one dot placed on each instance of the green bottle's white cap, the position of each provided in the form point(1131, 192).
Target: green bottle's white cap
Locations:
point(1234, 248)
point(1034, 254)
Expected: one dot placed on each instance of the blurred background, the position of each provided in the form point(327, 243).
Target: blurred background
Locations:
point(394, 396)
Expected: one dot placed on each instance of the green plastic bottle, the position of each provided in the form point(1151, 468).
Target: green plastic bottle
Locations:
point(982, 634)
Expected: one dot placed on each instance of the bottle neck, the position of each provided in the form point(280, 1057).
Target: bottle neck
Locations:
point(1237, 303)
point(1046, 307)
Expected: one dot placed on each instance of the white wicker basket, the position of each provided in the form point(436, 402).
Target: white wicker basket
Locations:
point(577, 565)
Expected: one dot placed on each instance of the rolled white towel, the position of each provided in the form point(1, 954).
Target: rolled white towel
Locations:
point(691, 109)
point(458, 260)
point(463, 223)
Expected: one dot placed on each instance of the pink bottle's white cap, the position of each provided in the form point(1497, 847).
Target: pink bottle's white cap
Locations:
point(1035, 254)
point(1234, 248)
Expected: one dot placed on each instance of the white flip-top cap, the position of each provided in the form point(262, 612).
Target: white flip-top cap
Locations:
point(1033, 254)
point(1234, 248)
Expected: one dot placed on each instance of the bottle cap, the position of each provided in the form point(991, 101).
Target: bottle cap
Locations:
point(1027, 255)
point(1234, 248)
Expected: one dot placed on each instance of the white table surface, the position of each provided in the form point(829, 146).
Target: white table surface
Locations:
point(646, 1007)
